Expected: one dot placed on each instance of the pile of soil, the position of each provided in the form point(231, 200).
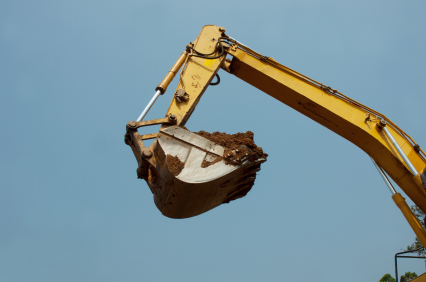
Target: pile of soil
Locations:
point(175, 165)
point(239, 147)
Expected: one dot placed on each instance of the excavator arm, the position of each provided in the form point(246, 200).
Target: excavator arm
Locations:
point(351, 120)
point(394, 151)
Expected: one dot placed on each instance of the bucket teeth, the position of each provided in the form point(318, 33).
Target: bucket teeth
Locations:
point(254, 169)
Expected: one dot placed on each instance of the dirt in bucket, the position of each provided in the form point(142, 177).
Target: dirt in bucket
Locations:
point(239, 147)
point(175, 165)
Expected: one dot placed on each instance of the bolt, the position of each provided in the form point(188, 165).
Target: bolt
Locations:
point(381, 124)
point(147, 153)
point(222, 29)
point(417, 149)
point(132, 123)
point(172, 118)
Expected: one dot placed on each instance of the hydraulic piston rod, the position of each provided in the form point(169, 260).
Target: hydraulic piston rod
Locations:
point(385, 179)
point(405, 209)
point(382, 125)
point(143, 114)
point(409, 216)
point(162, 87)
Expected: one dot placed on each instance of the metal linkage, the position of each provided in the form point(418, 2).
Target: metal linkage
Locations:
point(143, 114)
point(382, 125)
point(385, 178)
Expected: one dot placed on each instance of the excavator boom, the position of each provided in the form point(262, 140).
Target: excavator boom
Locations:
point(353, 121)
point(197, 189)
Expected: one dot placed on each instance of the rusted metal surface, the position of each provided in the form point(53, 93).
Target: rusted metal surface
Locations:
point(170, 119)
point(149, 136)
point(195, 189)
point(181, 95)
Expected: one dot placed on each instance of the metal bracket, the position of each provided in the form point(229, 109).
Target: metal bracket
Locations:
point(328, 89)
point(171, 119)
point(181, 95)
point(149, 136)
point(135, 137)
point(417, 148)
point(142, 154)
point(134, 140)
point(368, 118)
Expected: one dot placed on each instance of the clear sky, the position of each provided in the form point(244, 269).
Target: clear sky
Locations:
point(73, 73)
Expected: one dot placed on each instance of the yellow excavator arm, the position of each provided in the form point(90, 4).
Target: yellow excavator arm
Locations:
point(195, 190)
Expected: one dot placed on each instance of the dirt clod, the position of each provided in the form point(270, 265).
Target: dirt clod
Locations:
point(239, 146)
point(175, 165)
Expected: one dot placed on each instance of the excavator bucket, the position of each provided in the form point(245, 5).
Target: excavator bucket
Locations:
point(189, 174)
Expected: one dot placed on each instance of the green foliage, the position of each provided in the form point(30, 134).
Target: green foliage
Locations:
point(418, 213)
point(408, 276)
point(387, 278)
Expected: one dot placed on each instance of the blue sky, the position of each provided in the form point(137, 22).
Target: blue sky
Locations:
point(73, 73)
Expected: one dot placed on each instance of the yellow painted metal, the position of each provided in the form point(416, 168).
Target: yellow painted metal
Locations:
point(421, 278)
point(197, 73)
point(338, 113)
point(409, 216)
point(172, 72)
point(342, 115)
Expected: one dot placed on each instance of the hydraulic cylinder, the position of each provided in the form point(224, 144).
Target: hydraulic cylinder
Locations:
point(412, 220)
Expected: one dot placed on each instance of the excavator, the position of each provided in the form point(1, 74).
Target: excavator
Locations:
point(195, 188)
